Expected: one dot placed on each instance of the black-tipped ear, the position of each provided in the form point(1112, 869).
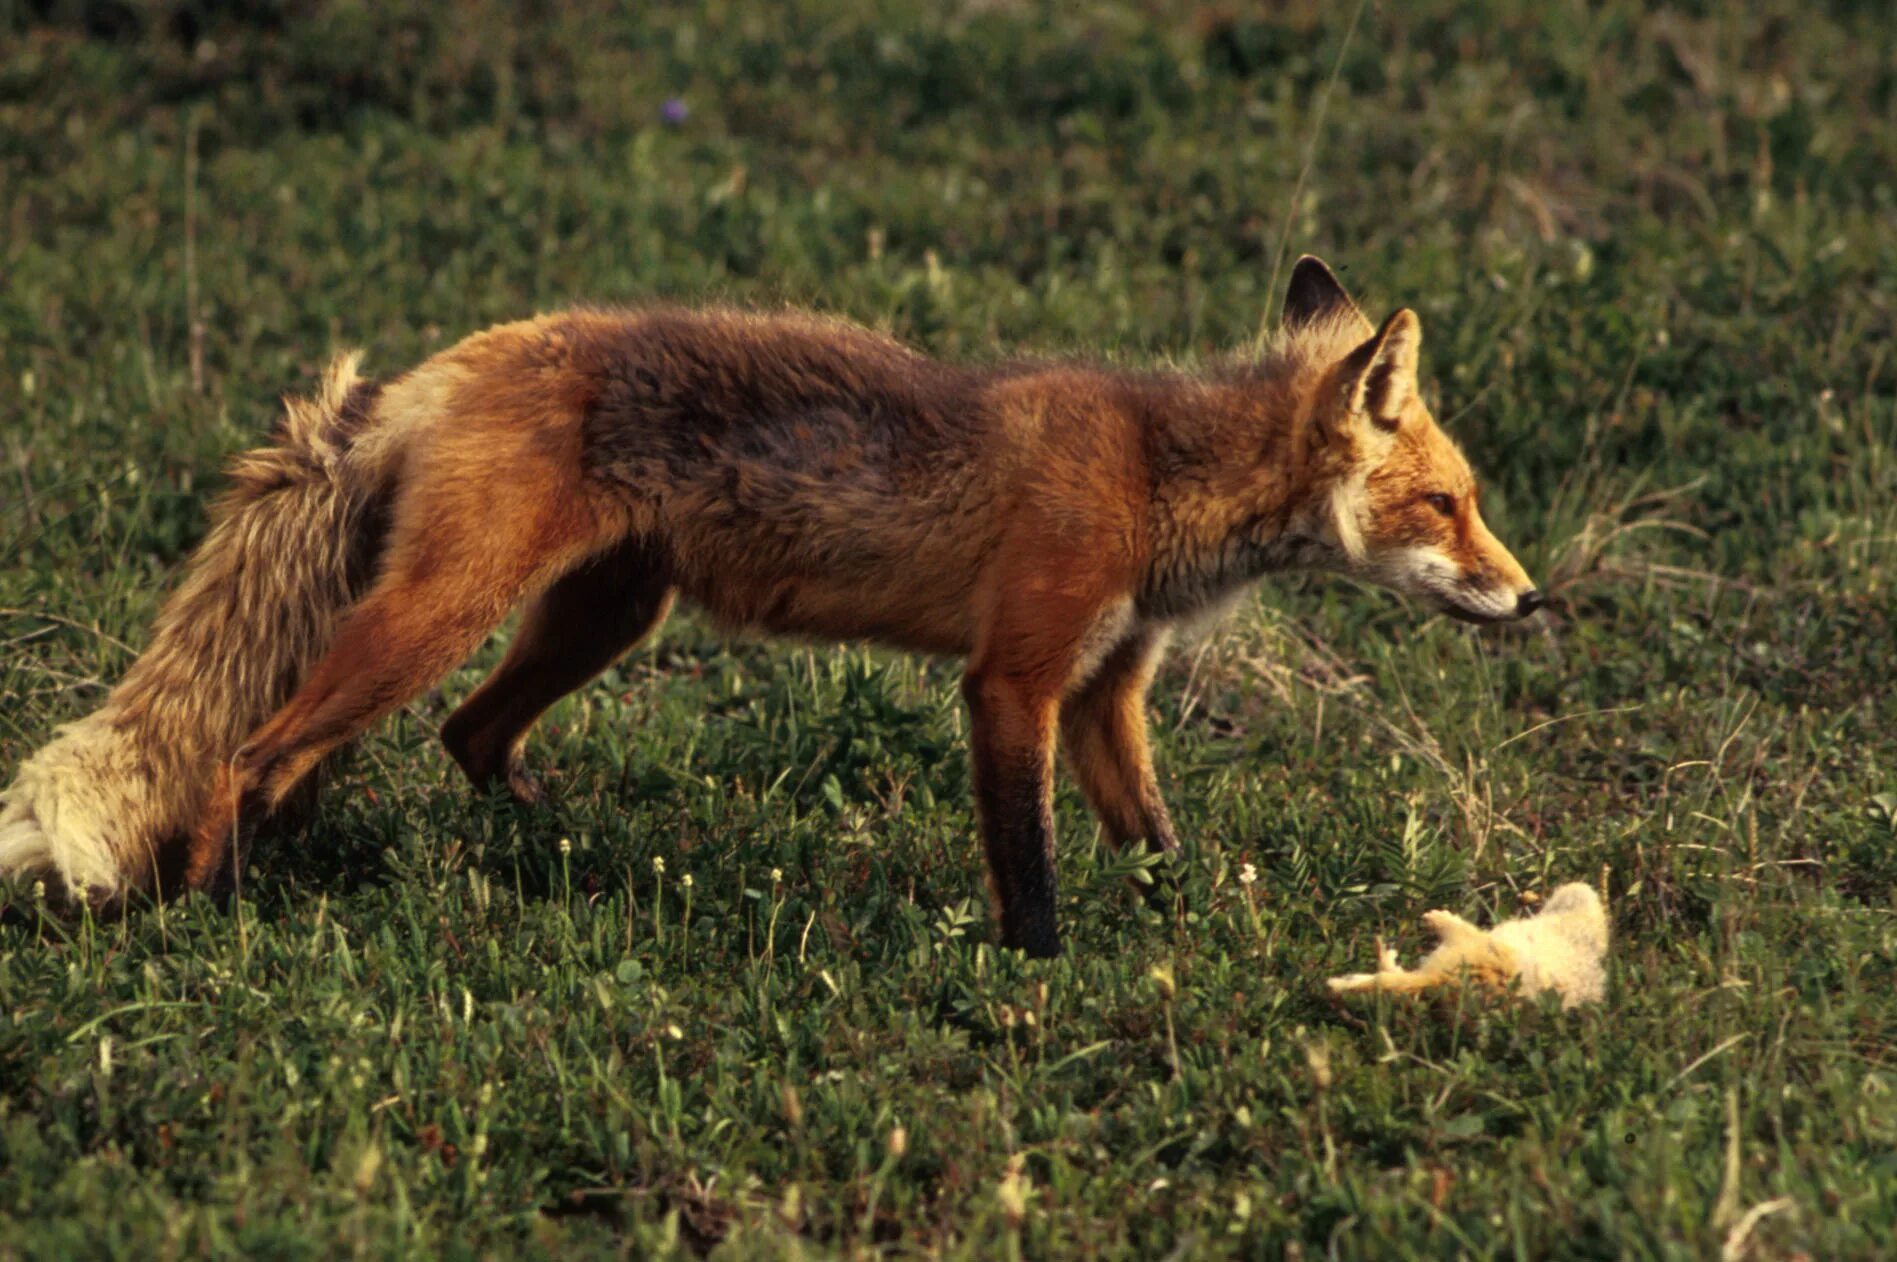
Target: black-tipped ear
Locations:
point(1382, 372)
point(1314, 293)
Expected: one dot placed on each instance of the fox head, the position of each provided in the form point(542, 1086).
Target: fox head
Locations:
point(1397, 504)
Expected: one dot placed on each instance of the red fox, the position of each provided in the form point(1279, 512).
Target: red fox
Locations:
point(1049, 522)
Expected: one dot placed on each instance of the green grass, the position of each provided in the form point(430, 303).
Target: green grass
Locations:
point(1654, 260)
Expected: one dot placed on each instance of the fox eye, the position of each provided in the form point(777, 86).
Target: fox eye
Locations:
point(1441, 503)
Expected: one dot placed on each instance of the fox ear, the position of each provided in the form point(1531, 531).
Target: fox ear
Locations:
point(1381, 374)
point(1314, 293)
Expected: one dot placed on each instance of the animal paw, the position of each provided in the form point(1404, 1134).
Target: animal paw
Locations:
point(523, 785)
point(1448, 926)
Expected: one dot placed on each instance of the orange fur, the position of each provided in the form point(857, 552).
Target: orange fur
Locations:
point(803, 476)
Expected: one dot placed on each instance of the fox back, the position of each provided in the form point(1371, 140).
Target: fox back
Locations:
point(805, 476)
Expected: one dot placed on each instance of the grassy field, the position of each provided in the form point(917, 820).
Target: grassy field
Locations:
point(733, 988)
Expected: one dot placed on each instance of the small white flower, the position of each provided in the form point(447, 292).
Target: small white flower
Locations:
point(1247, 875)
point(566, 846)
point(686, 880)
point(1162, 976)
point(39, 891)
point(1013, 1190)
point(777, 876)
point(658, 865)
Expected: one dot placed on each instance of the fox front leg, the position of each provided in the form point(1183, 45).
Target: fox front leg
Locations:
point(1013, 743)
point(1103, 728)
point(1047, 605)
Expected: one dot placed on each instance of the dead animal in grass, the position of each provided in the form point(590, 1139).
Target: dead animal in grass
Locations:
point(1562, 948)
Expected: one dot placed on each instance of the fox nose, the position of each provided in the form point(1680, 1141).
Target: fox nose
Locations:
point(1528, 602)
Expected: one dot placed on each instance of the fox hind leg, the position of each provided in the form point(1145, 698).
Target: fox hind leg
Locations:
point(451, 575)
point(579, 626)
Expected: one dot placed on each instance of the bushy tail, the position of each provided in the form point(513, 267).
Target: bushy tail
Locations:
point(106, 805)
